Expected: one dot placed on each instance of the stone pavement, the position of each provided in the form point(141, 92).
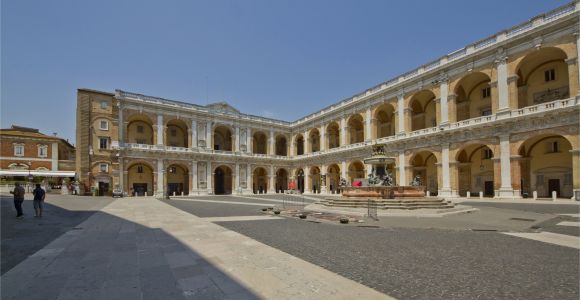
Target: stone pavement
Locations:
point(142, 248)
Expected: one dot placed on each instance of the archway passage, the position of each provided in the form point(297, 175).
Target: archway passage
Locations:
point(423, 111)
point(333, 135)
point(139, 130)
point(281, 180)
point(425, 165)
point(300, 180)
point(333, 175)
point(384, 121)
point(543, 77)
point(140, 179)
point(315, 180)
point(546, 166)
point(356, 171)
point(299, 144)
point(223, 180)
point(473, 97)
point(176, 134)
point(222, 138)
point(281, 146)
point(314, 139)
point(177, 180)
point(260, 143)
point(475, 170)
point(356, 129)
point(260, 180)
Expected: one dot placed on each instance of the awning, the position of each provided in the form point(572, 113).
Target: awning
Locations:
point(37, 173)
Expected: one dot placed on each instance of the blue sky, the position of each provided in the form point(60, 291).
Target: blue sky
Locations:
point(280, 59)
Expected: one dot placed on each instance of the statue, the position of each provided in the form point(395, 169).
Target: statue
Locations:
point(342, 182)
point(416, 181)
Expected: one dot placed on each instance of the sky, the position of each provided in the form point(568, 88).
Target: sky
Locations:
point(277, 59)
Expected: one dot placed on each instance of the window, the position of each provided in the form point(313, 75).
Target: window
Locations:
point(42, 151)
point(172, 170)
point(103, 143)
point(104, 125)
point(104, 168)
point(487, 154)
point(104, 104)
point(486, 92)
point(554, 147)
point(140, 129)
point(550, 75)
point(19, 150)
point(139, 169)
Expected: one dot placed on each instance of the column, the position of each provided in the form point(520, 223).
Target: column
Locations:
point(208, 139)
point(193, 186)
point(121, 175)
point(575, 174)
point(193, 134)
point(578, 62)
point(401, 112)
point(160, 130)
point(160, 178)
point(237, 186)
point(444, 91)
point(368, 126)
point(572, 75)
point(272, 143)
point(445, 190)
point(516, 173)
point(322, 138)
point(272, 183)
point(249, 184)
point(402, 177)
point(306, 139)
point(343, 130)
point(54, 157)
point(208, 176)
point(121, 125)
point(249, 140)
point(237, 141)
point(323, 189)
point(502, 83)
point(505, 189)
point(343, 170)
point(307, 181)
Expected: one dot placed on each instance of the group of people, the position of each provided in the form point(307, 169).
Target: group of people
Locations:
point(39, 195)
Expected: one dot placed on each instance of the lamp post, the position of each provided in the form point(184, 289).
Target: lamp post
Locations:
point(30, 177)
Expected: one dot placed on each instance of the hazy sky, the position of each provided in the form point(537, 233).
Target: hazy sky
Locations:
point(280, 59)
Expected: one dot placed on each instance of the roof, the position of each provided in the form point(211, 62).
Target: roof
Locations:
point(27, 132)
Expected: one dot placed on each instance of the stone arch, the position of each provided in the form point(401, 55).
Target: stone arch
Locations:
point(223, 180)
point(423, 110)
point(299, 175)
point(476, 166)
point(356, 129)
point(356, 171)
point(140, 178)
point(315, 180)
point(299, 144)
point(281, 145)
point(281, 180)
point(314, 140)
point(424, 163)
point(260, 180)
point(222, 138)
point(333, 177)
point(384, 121)
point(473, 96)
point(177, 177)
point(333, 135)
point(259, 142)
point(140, 130)
point(176, 133)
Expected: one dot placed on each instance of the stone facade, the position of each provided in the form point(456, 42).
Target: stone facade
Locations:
point(499, 118)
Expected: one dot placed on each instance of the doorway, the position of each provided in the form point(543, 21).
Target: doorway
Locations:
point(488, 189)
point(103, 188)
point(554, 185)
point(140, 189)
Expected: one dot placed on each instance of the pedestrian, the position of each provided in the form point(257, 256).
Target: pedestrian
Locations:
point(39, 195)
point(18, 193)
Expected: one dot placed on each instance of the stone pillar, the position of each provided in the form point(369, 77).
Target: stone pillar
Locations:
point(444, 91)
point(573, 76)
point(208, 180)
point(343, 170)
point(272, 143)
point(401, 113)
point(160, 178)
point(121, 175)
point(237, 139)
point(208, 139)
point(237, 186)
point(445, 190)
point(307, 181)
point(505, 190)
point(577, 60)
point(193, 186)
point(54, 156)
point(452, 108)
point(454, 175)
point(575, 174)
point(368, 127)
point(249, 177)
point(160, 130)
point(402, 174)
point(249, 140)
point(306, 139)
point(343, 130)
point(322, 138)
point(516, 169)
point(272, 180)
point(502, 84)
point(121, 125)
point(125, 186)
point(323, 189)
point(193, 134)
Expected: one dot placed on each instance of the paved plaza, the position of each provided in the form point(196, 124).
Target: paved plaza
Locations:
point(226, 247)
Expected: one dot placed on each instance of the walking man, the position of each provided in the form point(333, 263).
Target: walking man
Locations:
point(18, 193)
point(39, 195)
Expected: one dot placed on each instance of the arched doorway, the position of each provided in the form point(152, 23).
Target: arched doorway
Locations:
point(140, 179)
point(333, 135)
point(177, 180)
point(315, 180)
point(281, 146)
point(222, 138)
point(384, 121)
point(259, 143)
point(356, 171)
point(543, 77)
point(299, 144)
point(176, 134)
point(425, 165)
point(473, 97)
point(423, 111)
point(356, 129)
point(139, 130)
point(223, 180)
point(260, 180)
point(333, 175)
point(546, 166)
point(314, 139)
point(475, 170)
point(281, 180)
point(300, 180)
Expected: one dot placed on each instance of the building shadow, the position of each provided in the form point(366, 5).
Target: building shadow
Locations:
point(103, 257)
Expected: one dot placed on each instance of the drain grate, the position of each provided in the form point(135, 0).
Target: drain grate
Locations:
point(368, 226)
point(522, 219)
point(482, 229)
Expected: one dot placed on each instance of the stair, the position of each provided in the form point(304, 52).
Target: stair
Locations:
point(397, 203)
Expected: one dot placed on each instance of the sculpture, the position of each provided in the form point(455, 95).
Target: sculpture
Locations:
point(416, 181)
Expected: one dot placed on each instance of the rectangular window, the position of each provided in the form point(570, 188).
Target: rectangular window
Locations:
point(139, 128)
point(103, 143)
point(550, 75)
point(554, 147)
point(18, 150)
point(486, 92)
point(487, 154)
point(104, 125)
point(104, 104)
point(42, 151)
point(139, 169)
point(104, 168)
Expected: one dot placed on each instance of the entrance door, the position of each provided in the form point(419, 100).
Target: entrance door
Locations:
point(301, 184)
point(174, 188)
point(553, 185)
point(103, 188)
point(219, 182)
point(488, 189)
point(140, 189)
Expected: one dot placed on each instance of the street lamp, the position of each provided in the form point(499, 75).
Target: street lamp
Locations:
point(30, 177)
